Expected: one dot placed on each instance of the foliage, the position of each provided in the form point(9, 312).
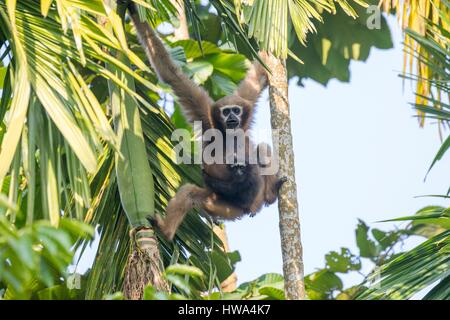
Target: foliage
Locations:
point(327, 52)
point(269, 20)
point(376, 247)
point(338, 41)
point(266, 287)
point(426, 23)
point(426, 265)
point(37, 255)
point(435, 54)
point(63, 146)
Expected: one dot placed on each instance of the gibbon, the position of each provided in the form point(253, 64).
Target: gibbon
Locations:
point(231, 190)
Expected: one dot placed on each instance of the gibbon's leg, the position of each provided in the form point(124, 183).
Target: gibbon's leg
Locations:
point(272, 183)
point(259, 200)
point(189, 196)
point(219, 208)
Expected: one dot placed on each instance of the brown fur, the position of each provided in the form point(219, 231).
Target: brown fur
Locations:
point(198, 106)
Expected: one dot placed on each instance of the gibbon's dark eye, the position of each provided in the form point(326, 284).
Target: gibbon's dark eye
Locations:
point(236, 110)
point(226, 112)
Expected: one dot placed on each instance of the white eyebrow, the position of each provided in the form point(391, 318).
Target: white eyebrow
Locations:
point(230, 106)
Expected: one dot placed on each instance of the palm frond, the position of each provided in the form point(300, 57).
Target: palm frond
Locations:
point(418, 268)
point(426, 23)
point(269, 20)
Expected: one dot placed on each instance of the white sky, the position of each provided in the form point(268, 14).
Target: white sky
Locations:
point(359, 153)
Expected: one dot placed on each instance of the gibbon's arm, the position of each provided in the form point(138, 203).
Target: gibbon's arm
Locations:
point(255, 81)
point(194, 100)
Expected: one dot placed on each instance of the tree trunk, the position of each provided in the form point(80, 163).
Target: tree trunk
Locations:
point(144, 266)
point(291, 245)
point(230, 283)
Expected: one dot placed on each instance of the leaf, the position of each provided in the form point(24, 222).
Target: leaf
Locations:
point(342, 262)
point(411, 271)
point(231, 65)
point(338, 40)
point(45, 6)
point(200, 71)
point(182, 269)
point(133, 172)
point(367, 248)
point(192, 49)
point(34, 257)
point(442, 150)
point(221, 86)
point(18, 111)
point(178, 119)
point(3, 71)
point(385, 239)
point(221, 262)
point(7, 204)
point(321, 284)
point(273, 293)
point(179, 282)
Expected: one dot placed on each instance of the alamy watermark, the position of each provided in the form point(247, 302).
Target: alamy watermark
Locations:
point(374, 17)
point(232, 147)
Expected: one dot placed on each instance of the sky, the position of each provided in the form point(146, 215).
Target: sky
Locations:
point(359, 153)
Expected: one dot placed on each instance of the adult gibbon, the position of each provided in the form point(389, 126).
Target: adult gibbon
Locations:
point(231, 190)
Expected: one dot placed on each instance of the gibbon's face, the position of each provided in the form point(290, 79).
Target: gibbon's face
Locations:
point(231, 116)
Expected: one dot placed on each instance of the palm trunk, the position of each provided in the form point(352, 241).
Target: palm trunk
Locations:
point(291, 245)
point(144, 266)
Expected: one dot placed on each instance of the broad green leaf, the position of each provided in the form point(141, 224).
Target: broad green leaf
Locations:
point(367, 248)
point(385, 239)
point(192, 50)
point(133, 172)
point(200, 71)
point(321, 284)
point(182, 269)
point(343, 261)
point(273, 293)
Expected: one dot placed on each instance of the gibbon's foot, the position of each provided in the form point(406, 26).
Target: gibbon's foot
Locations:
point(152, 220)
point(252, 215)
point(158, 222)
point(215, 220)
point(280, 183)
